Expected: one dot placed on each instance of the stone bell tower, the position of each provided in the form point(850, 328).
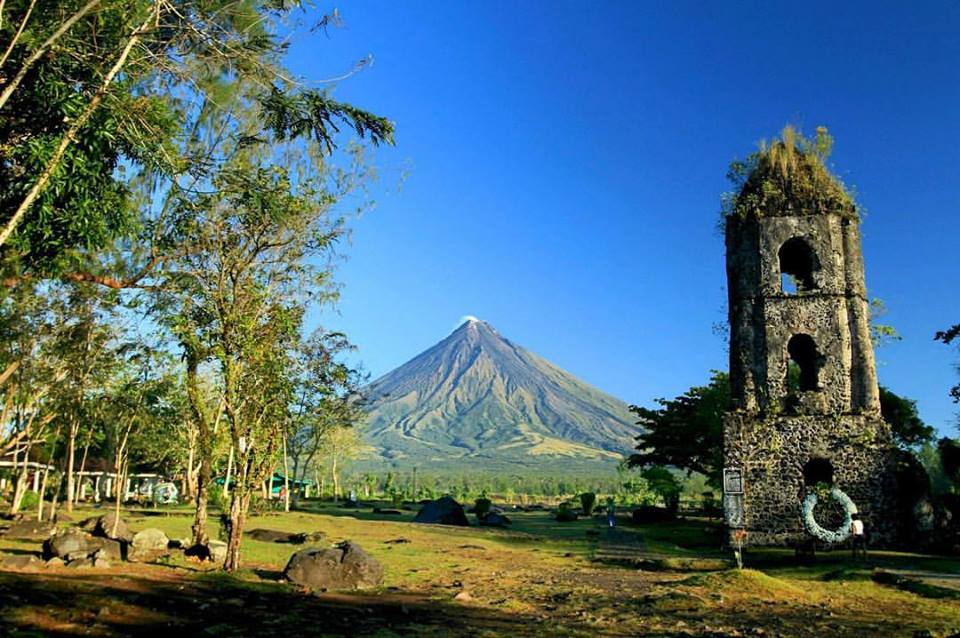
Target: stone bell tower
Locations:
point(805, 401)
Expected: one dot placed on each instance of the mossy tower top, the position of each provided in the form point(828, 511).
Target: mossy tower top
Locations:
point(788, 176)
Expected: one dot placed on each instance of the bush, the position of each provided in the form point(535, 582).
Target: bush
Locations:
point(30, 501)
point(646, 514)
point(588, 500)
point(258, 506)
point(481, 506)
point(215, 500)
point(565, 513)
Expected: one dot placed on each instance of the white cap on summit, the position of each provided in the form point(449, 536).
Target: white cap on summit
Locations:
point(466, 319)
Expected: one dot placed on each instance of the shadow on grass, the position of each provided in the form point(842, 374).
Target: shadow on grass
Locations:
point(58, 604)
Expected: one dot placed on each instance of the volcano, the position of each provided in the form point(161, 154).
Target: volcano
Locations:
point(477, 399)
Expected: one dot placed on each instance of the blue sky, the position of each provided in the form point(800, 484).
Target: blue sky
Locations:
point(558, 168)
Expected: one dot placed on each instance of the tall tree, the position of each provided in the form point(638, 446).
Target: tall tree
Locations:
point(254, 241)
point(686, 432)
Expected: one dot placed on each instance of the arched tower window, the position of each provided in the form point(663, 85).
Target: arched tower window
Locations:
point(798, 262)
point(802, 369)
point(817, 470)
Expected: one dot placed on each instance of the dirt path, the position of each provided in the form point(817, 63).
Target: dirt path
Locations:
point(616, 547)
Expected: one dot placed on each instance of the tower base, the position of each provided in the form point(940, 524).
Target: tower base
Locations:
point(778, 456)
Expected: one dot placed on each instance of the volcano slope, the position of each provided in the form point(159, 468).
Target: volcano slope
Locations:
point(478, 399)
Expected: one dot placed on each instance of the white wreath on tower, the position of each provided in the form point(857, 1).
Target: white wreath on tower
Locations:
point(815, 529)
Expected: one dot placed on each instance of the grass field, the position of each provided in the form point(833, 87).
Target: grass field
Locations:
point(540, 578)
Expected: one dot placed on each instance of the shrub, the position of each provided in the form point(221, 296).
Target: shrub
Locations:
point(215, 500)
point(588, 500)
point(565, 513)
point(646, 514)
point(481, 506)
point(30, 501)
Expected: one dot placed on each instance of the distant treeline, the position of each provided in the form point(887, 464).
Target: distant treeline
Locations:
point(627, 487)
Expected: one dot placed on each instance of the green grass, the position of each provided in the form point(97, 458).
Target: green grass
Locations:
point(537, 578)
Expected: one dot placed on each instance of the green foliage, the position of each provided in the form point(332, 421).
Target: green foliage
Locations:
point(665, 485)
point(588, 500)
point(565, 513)
point(949, 451)
point(929, 457)
point(30, 501)
point(787, 174)
point(314, 114)
point(948, 336)
point(481, 507)
point(686, 432)
point(901, 414)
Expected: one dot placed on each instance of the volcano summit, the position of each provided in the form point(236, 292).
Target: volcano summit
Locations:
point(476, 400)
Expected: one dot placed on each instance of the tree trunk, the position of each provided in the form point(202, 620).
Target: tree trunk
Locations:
point(43, 489)
point(199, 527)
point(336, 479)
point(20, 488)
point(56, 499)
point(238, 514)
point(83, 464)
point(121, 489)
point(71, 457)
point(205, 445)
point(286, 476)
point(46, 473)
point(190, 486)
point(226, 482)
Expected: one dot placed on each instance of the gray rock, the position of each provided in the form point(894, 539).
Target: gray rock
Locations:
point(69, 541)
point(218, 551)
point(104, 528)
point(29, 530)
point(109, 548)
point(89, 562)
point(74, 544)
point(150, 539)
point(148, 545)
point(274, 536)
point(21, 561)
point(443, 511)
point(495, 519)
point(345, 566)
point(268, 535)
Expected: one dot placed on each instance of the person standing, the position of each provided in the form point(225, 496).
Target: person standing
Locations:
point(858, 536)
point(611, 513)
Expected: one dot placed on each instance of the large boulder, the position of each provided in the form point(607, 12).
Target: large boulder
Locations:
point(443, 511)
point(104, 528)
point(345, 566)
point(75, 544)
point(29, 530)
point(148, 545)
point(218, 550)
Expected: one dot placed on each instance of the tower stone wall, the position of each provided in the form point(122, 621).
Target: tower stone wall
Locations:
point(797, 294)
